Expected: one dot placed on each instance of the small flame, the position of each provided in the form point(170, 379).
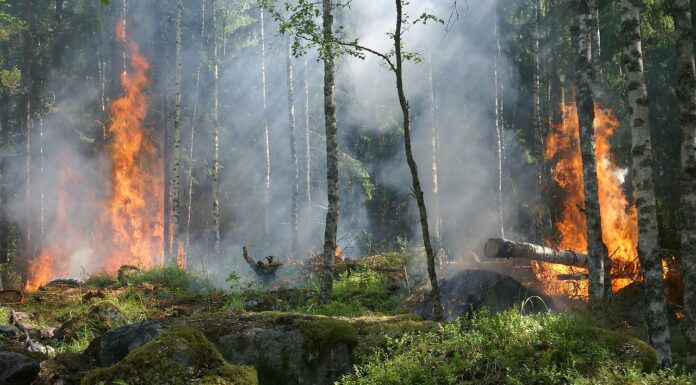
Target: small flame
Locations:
point(619, 219)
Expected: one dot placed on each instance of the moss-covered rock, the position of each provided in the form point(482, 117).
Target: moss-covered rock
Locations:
point(99, 318)
point(182, 355)
point(321, 335)
point(628, 349)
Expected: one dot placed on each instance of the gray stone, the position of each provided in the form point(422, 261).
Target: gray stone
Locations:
point(9, 331)
point(16, 369)
point(117, 343)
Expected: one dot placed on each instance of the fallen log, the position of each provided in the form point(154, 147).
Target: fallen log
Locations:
point(504, 248)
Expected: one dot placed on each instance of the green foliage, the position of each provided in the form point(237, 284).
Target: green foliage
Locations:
point(510, 348)
point(174, 279)
point(358, 292)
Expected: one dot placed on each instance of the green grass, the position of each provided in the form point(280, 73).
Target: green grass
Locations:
point(360, 292)
point(515, 349)
point(174, 279)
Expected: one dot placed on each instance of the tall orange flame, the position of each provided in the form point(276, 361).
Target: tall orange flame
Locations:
point(129, 229)
point(619, 219)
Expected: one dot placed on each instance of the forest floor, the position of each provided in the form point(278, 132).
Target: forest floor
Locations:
point(166, 325)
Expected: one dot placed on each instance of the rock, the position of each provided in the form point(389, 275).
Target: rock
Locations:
point(47, 332)
point(17, 369)
point(181, 355)
point(115, 344)
point(10, 331)
point(62, 283)
point(22, 316)
point(470, 290)
point(36, 347)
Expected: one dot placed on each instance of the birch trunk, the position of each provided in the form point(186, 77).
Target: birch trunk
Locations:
point(42, 187)
point(293, 153)
point(332, 212)
point(216, 133)
point(189, 172)
point(597, 251)
point(307, 138)
point(164, 45)
point(266, 143)
point(648, 247)
point(434, 163)
point(596, 41)
point(176, 153)
point(418, 192)
point(686, 98)
point(498, 126)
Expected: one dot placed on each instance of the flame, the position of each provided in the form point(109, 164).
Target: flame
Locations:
point(619, 219)
point(51, 261)
point(129, 229)
point(134, 212)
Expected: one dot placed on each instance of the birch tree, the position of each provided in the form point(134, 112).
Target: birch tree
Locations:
point(686, 98)
point(266, 143)
point(176, 153)
point(293, 153)
point(641, 148)
point(215, 172)
point(597, 251)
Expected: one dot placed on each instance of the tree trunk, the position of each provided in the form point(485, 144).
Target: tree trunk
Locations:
point(26, 123)
point(686, 97)
point(648, 247)
point(503, 248)
point(215, 172)
point(539, 213)
point(176, 153)
point(308, 141)
point(498, 125)
point(189, 172)
point(332, 212)
point(418, 192)
point(167, 130)
point(293, 153)
point(585, 105)
point(596, 41)
point(434, 162)
point(42, 187)
point(266, 143)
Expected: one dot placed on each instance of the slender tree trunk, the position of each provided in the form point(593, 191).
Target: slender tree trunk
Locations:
point(686, 98)
point(165, 79)
point(540, 213)
point(332, 212)
point(498, 126)
point(124, 48)
point(266, 143)
point(308, 133)
point(189, 172)
point(176, 154)
point(648, 247)
point(434, 163)
point(596, 41)
point(26, 116)
point(597, 251)
point(418, 192)
point(216, 133)
point(293, 153)
point(42, 187)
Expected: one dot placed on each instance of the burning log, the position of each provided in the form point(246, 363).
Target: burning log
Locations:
point(503, 248)
point(263, 269)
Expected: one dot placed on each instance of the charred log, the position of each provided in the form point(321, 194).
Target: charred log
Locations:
point(263, 269)
point(503, 248)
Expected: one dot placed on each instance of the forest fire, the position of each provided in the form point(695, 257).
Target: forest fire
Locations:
point(619, 220)
point(129, 229)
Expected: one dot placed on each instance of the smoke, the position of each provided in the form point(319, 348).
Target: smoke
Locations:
point(459, 57)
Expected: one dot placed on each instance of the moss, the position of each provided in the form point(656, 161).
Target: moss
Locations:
point(99, 318)
point(178, 356)
point(320, 334)
point(628, 348)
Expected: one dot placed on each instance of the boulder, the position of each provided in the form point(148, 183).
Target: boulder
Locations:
point(17, 369)
point(115, 344)
point(467, 291)
point(181, 355)
point(99, 318)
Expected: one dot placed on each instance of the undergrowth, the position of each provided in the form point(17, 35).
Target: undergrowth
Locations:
point(515, 349)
